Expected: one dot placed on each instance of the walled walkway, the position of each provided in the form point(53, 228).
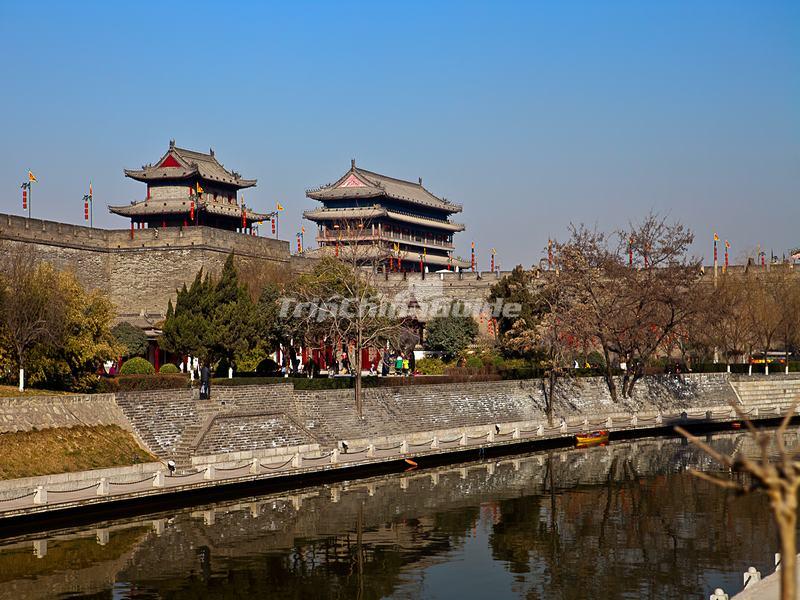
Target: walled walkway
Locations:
point(249, 433)
point(226, 469)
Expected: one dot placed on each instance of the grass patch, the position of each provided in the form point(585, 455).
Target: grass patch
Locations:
point(12, 391)
point(68, 449)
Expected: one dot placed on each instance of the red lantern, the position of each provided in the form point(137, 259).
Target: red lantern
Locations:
point(24, 199)
point(272, 220)
point(299, 245)
point(191, 211)
point(86, 209)
point(244, 219)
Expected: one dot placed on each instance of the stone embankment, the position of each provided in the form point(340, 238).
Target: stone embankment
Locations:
point(249, 433)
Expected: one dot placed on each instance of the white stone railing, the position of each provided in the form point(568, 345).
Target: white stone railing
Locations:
point(268, 463)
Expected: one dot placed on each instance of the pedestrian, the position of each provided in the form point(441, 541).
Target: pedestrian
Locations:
point(386, 364)
point(205, 382)
point(398, 364)
point(405, 367)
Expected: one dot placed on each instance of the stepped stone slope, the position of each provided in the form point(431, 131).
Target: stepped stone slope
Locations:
point(258, 417)
point(174, 424)
point(160, 417)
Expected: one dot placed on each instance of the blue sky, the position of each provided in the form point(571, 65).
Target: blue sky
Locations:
point(532, 115)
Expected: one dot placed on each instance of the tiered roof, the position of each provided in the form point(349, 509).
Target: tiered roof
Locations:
point(180, 163)
point(360, 183)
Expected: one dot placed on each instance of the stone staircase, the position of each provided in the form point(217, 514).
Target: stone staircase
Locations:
point(766, 390)
point(185, 448)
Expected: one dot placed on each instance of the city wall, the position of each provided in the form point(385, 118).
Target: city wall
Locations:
point(140, 273)
point(174, 424)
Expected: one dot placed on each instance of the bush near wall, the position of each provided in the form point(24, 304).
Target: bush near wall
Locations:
point(133, 383)
point(168, 368)
point(137, 366)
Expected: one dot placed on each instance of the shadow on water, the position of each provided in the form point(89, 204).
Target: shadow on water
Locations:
point(622, 521)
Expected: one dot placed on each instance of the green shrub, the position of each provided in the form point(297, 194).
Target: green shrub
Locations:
point(168, 368)
point(133, 383)
point(131, 337)
point(431, 366)
point(268, 367)
point(474, 362)
point(137, 366)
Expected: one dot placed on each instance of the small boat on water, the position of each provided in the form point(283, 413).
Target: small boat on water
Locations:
point(594, 438)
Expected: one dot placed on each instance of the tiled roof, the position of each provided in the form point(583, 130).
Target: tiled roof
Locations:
point(172, 206)
point(187, 164)
point(333, 214)
point(360, 183)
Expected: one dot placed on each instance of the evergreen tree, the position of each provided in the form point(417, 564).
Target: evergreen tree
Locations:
point(452, 333)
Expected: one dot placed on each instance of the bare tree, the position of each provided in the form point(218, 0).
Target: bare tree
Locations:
point(723, 321)
point(32, 307)
point(777, 476)
point(344, 303)
point(632, 296)
point(764, 310)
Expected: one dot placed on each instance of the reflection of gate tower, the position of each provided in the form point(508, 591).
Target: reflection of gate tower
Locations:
point(396, 218)
point(186, 188)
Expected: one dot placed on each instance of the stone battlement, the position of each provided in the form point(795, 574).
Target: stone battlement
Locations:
point(139, 273)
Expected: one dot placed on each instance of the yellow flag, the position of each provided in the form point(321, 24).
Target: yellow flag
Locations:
point(302, 229)
point(278, 206)
point(31, 176)
point(199, 188)
point(716, 237)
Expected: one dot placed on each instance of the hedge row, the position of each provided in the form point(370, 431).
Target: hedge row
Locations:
point(132, 383)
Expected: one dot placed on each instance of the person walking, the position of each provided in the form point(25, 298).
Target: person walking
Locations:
point(386, 364)
point(405, 367)
point(205, 382)
point(398, 364)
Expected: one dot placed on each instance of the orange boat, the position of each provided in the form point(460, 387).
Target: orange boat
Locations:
point(594, 438)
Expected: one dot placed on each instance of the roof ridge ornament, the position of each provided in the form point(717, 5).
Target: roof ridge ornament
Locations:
point(171, 144)
point(352, 164)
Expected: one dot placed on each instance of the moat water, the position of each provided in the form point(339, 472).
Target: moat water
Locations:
point(623, 521)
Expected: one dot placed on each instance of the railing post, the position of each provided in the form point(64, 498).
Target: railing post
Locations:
point(371, 451)
point(404, 447)
point(540, 429)
point(209, 473)
point(659, 419)
point(563, 427)
point(102, 487)
point(297, 461)
point(158, 479)
point(40, 495)
point(435, 443)
point(751, 576)
point(490, 437)
point(609, 422)
point(335, 456)
point(515, 435)
point(255, 466)
point(463, 441)
point(719, 595)
point(585, 423)
point(635, 420)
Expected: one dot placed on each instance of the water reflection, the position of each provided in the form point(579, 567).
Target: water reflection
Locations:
point(625, 521)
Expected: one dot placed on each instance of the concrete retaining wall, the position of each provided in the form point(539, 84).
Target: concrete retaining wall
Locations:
point(43, 412)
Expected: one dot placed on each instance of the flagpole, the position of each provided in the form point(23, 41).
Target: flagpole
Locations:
point(30, 195)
